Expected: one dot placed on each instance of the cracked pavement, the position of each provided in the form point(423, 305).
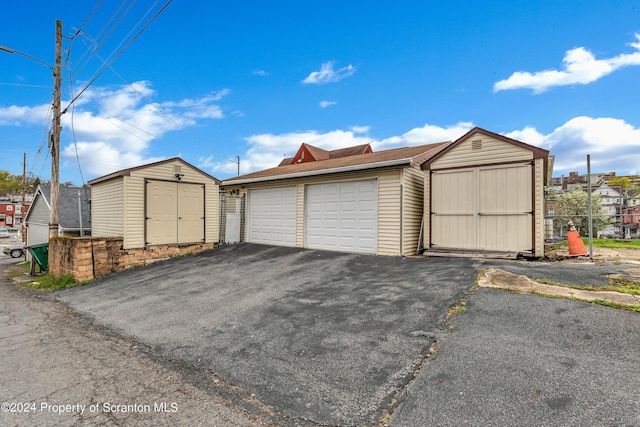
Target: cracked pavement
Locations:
point(256, 335)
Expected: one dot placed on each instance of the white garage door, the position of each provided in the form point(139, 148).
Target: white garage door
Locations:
point(272, 216)
point(483, 208)
point(342, 216)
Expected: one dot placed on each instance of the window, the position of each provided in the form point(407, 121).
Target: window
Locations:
point(550, 212)
point(9, 207)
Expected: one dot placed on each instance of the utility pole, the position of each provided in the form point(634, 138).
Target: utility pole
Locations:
point(238, 157)
point(24, 190)
point(54, 217)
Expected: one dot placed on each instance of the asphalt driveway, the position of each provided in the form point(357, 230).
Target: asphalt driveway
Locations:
point(527, 360)
point(309, 335)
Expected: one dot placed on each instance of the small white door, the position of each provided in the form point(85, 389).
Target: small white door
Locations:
point(342, 216)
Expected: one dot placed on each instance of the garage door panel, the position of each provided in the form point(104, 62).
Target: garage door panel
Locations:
point(342, 216)
point(272, 216)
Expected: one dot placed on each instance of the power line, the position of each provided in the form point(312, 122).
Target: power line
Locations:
point(118, 54)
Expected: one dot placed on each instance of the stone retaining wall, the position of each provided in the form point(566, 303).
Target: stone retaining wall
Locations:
point(88, 258)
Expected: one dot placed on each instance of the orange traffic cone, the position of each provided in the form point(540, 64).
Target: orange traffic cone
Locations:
point(576, 246)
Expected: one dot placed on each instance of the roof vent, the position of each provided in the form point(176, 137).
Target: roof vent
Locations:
point(476, 145)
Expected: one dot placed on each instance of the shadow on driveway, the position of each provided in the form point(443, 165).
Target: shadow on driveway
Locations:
point(319, 336)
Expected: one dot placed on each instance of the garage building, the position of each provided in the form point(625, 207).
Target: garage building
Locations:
point(367, 203)
point(163, 203)
point(485, 192)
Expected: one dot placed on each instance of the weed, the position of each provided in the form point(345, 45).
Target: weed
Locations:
point(623, 286)
point(54, 283)
point(182, 255)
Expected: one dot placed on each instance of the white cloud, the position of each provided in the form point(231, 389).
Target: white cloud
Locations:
point(19, 116)
point(114, 126)
point(261, 73)
point(328, 75)
point(325, 104)
point(613, 144)
point(360, 129)
point(580, 67)
point(267, 150)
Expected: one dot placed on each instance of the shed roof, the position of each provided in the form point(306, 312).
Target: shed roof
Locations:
point(409, 156)
point(127, 172)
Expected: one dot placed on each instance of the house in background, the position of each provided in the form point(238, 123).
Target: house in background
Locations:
point(309, 153)
point(74, 214)
point(611, 199)
point(631, 222)
point(170, 202)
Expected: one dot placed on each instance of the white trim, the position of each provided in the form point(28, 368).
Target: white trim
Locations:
point(320, 172)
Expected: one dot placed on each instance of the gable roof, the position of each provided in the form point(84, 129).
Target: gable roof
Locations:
point(127, 172)
point(409, 156)
point(69, 217)
point(537, 152)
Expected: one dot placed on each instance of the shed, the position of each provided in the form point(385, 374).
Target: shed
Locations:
point(351, 200)
point(162, 203)
point(485, 192)
point(73, 211)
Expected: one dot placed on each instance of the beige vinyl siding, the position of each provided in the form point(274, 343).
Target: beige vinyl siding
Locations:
point(426, 237)
point(134, 212)
point(389, 214)
point(107, 209)
point(412, 205)
point(487, 151)
point(212, 212)
point(539, 207)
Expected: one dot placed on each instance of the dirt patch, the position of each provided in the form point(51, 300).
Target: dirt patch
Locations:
point(606, 254)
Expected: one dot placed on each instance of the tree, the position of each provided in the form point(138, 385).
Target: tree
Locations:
point(10, 183)
point(628, 191)
point(574, 206)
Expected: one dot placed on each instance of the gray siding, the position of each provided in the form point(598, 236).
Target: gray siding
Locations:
point(39, 212)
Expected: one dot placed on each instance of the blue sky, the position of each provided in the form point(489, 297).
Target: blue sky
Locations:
point(209, 81)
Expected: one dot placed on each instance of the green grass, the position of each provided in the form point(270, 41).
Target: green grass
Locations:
point(623, 286)
point(54, 283)
point(614, 244)
point(603, 243)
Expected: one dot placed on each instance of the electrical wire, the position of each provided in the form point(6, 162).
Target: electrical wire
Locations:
point(104, 28)
point(163, 113)
point(118, 54)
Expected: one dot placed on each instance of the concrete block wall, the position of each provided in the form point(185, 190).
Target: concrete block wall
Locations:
point(88, 258)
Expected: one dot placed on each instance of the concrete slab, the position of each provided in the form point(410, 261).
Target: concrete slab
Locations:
point(312, 336)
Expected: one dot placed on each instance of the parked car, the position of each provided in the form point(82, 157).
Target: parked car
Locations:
point(4, 232)
point(16, 251)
